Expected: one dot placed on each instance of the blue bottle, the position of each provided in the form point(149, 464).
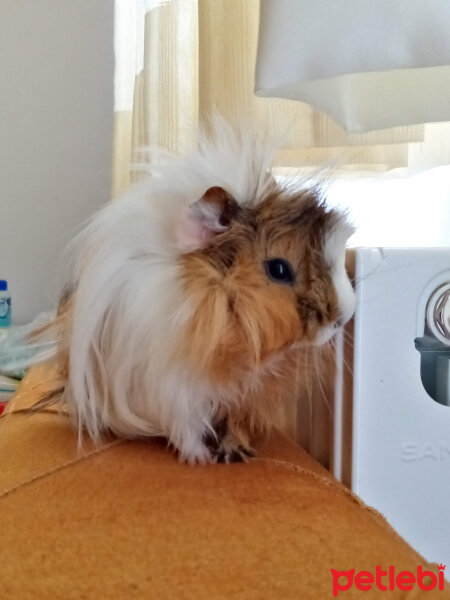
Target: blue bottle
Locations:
point(5, 304)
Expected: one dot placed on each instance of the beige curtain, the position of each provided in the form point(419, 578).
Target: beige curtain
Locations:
point(177, 61)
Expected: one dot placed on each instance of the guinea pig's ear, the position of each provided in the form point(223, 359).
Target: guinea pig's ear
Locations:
point(204, 219)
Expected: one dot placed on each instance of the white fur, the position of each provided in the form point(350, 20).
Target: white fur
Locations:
point(129, 306)
point(334, 255)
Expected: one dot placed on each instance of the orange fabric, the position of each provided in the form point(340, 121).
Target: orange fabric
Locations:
point(126, 521)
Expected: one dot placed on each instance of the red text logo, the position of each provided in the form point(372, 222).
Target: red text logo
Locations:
point(387, 580)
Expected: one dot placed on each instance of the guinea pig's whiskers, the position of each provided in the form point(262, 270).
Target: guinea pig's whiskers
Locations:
point(307, 389)
point(296, 396)
point(319, 379)
point(348, 343)
point(347, 365)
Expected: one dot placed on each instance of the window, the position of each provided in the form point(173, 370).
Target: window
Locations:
point(398, 211)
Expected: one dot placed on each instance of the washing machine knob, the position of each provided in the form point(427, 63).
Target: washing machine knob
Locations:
point(438, 313)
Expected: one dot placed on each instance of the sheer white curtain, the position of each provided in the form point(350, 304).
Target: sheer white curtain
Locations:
point(179, 60)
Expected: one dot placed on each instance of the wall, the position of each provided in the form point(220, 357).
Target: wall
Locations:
point(56, 115)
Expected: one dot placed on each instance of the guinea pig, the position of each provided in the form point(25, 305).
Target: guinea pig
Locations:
point(193, 297)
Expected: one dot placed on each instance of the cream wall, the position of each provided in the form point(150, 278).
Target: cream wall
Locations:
point(56, 114)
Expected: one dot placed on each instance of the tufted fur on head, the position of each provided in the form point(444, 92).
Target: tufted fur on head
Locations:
point(193, 295)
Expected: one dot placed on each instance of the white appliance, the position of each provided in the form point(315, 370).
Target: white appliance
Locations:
point(392, 420)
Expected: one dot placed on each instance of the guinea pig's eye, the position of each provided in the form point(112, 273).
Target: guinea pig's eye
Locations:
point(280, 270)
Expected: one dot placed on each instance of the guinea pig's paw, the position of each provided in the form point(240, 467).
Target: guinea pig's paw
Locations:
point(198, 455)
point(230, 450)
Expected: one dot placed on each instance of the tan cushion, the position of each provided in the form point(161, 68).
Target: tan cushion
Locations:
point(125, 520)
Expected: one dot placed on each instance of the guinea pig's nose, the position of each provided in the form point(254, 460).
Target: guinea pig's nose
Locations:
point(339, 321)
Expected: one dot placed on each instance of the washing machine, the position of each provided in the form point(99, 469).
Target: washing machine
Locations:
point(395, 450)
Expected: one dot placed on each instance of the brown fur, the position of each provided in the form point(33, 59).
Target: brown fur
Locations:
point(58, 327)
point(243, 320)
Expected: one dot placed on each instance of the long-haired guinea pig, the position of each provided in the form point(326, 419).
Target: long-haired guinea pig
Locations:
point(193, 297)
